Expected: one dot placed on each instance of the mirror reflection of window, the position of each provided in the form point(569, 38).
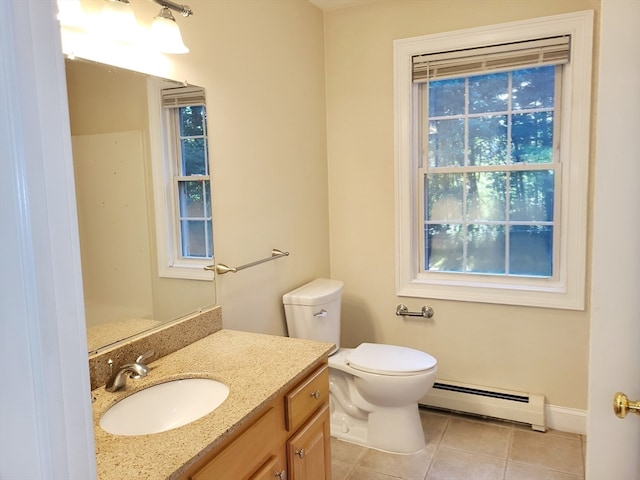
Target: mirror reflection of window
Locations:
point(182, 180)
point(186, 123)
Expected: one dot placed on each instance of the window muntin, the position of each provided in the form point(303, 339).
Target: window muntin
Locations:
point(488, 182)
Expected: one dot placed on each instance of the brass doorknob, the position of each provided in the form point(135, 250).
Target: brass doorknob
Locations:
point(622, 405)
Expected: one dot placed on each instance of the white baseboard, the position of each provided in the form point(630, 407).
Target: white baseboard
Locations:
point(566, 419)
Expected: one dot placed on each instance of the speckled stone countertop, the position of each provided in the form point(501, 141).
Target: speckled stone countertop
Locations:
point(255, 367)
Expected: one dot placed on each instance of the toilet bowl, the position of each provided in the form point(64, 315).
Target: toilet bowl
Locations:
point(374, 388)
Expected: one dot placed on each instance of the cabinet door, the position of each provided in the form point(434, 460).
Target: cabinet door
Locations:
point(309, 450)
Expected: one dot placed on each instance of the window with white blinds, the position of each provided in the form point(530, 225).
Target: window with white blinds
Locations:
point(492, 155)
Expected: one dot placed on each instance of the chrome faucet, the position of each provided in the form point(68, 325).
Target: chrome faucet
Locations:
point(135, 370)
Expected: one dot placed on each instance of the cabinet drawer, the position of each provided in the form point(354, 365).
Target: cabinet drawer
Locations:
point(307, 397)
point(274, 469)
point(248, 452)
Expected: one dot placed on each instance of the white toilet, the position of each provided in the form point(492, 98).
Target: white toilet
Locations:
point(374, 388)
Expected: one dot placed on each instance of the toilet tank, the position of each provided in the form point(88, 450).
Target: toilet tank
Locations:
point(313, 310)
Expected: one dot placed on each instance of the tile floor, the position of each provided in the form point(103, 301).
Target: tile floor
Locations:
point(462, 447)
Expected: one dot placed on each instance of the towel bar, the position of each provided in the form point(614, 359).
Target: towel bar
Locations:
point(221, 268)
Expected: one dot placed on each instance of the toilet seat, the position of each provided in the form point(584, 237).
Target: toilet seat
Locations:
point(389, 359)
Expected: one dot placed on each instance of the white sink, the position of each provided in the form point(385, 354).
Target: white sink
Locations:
point(164, 406)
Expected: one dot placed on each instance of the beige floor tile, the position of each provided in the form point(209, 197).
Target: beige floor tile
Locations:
point(407, 467)
point(521, 471)
point(477, 437)
point(548, 451)
point(340, 471)
point(468, 448)
point(345, 452)
point(433, 425)
point(364, 474)
point(449, 464)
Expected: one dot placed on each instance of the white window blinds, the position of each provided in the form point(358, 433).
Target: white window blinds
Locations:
point(182, 97)
point(475, 61)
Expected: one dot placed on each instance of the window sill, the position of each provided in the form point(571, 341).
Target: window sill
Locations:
point(543, 294)
point(187, 271)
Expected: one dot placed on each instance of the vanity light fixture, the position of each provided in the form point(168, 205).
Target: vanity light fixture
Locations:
point(165, 33)
point(118, 21)
point(184, 10)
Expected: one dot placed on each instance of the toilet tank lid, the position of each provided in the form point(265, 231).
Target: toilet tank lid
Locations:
point(319, 291)
point(390, 359)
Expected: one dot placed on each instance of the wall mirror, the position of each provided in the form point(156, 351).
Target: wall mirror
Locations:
point(123, 290)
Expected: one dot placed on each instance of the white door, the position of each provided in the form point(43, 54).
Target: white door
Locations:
point(613, 444)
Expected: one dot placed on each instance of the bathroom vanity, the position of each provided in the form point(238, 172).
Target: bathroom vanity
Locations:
point(289, 435)
point(274, 423)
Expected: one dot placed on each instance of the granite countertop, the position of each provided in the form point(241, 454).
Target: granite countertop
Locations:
point(255, 367)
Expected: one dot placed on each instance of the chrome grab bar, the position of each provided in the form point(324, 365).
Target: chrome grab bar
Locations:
point(221, 268)
point(403, 311)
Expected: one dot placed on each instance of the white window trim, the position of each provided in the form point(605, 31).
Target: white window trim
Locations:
point(170, 264)
point(567, 289)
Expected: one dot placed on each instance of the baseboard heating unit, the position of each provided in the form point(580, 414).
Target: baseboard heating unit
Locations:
point(488, 402)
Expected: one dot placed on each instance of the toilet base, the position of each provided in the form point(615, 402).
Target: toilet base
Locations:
point(393, 430)
point(349, 430)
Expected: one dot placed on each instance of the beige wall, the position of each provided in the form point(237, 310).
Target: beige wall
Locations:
point(262, 64)
point(528, 349)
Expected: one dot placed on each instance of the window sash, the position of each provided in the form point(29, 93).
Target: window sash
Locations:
point(183, 216)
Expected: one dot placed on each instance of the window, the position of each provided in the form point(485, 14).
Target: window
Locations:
point(182, 187)
point(492, 152)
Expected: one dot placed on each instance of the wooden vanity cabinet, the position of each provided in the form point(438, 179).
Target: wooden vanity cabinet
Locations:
point(288, 440)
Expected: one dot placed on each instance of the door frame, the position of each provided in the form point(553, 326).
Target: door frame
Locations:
point(45, 411)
